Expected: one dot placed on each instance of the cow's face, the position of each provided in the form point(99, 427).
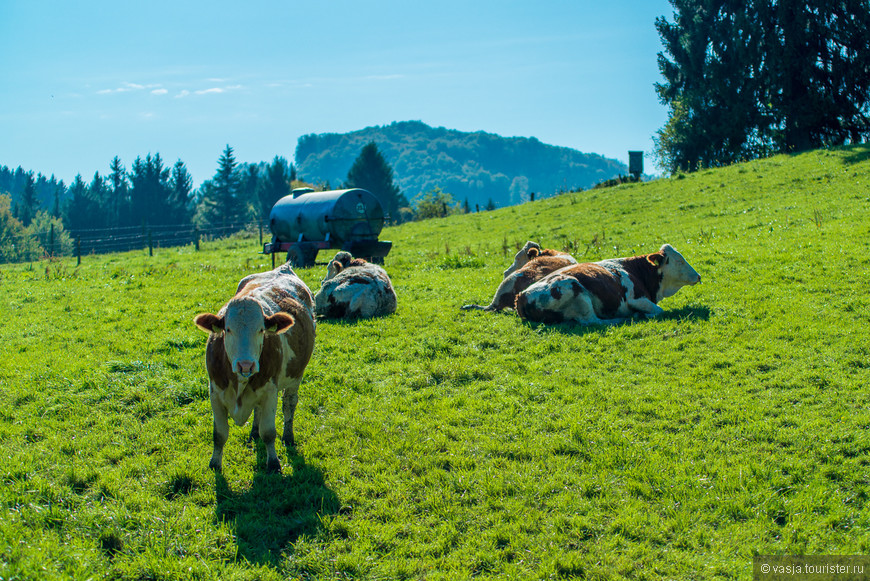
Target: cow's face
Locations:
point(676, 272)
point(244, 328)
point(337, 264)
point(526, 253)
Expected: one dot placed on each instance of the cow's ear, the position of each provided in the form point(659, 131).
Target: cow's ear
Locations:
point(533, 253)
point(209, 323)
point(336, 265)
point(656, 259)
point(279, 323)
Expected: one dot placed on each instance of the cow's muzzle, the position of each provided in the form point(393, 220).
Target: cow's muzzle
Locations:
point(246, 368)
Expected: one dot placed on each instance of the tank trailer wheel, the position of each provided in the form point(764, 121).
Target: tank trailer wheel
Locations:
point(301, 258)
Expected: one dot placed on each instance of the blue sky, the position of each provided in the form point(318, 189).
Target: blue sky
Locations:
point(84, 81)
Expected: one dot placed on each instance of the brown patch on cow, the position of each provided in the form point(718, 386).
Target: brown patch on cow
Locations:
point(644, 274)
point(529, 311)
point(551, 252)
point(599, 282)
point(357, 279)
point(544, 265)
point(218, 365)
point(300, 339)
point(357, 262)
point(533, 253)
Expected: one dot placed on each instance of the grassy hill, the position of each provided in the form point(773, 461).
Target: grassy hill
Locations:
point(444, 444)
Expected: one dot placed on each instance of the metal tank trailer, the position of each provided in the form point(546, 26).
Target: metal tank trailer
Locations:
point(305, 222)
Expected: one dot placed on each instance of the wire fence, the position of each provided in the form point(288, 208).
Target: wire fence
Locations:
point(102, 241)
point(83, 242)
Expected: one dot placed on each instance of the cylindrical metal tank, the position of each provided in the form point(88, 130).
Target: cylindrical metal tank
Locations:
point(343, 215)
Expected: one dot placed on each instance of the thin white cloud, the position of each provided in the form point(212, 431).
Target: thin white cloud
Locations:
point(182, 94)
point(129, 87)
point(383, 77)
point(159, 92)
point(213, 90)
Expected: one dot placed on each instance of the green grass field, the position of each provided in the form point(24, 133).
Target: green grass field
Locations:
point(444, 444)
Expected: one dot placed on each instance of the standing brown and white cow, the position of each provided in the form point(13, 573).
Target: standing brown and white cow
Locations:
point(531, 264)
point(354, 288)
point(608, 291)
point(259, 344)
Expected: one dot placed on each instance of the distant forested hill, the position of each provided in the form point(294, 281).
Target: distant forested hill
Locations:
point(475, 166)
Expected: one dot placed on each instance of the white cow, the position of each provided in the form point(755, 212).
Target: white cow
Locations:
point(259, 344)
point(354, 288)
point(608, 291)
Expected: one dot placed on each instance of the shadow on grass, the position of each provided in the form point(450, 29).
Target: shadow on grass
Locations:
point(857, 154)
point(277, 509)
point(350, 321)
point(687, 313)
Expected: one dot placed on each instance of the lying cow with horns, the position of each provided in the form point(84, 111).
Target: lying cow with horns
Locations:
point(531, 264)
point(354, 288)
point(609, 291)
point(259, 344)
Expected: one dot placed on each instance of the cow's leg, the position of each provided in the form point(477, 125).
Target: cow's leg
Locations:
point(267, 408)
point(255, 426)
point(645, 306)
point(221, 430)
point(291, 398)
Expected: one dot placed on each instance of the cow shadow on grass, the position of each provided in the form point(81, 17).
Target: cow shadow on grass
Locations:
point(687, 313)
point(277, 509)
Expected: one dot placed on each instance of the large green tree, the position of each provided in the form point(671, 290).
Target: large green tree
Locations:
point(747, 78)
point(274, 185)
point(221, 201)
point(371, 172)
point(29, 205)
point(149, 193)
point(180, 193)
point(119, 205)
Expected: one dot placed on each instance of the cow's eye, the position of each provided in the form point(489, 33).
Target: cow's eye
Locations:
point(227, 331)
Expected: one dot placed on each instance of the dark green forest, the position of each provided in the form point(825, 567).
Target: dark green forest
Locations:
point(479, 167)
point(431, 173)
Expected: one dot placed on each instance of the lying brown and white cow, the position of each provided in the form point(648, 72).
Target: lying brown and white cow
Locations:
point(531, 264)
point(608, 291)
point(354, 288)
point(259, 344)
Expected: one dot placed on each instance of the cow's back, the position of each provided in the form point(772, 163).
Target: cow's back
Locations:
point(361, 290)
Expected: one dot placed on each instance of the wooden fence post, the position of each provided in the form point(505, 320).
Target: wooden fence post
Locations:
point(78, 251)
point(196, 238)
point(150, 243)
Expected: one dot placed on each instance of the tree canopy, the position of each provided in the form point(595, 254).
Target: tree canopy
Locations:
point(371, 172)
point(745, 79)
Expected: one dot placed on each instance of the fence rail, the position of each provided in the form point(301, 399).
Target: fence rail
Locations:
point(102, 241)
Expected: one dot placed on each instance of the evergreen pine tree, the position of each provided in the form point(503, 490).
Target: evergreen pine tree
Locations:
point(220, 203)
point(29, 203)
point(180, 192)
point(275, 185)
point(80, 208)
point(745, 78)
point(371, 172)
point(119, 205)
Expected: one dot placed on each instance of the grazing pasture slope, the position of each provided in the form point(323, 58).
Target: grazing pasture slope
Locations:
point(440, 443)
